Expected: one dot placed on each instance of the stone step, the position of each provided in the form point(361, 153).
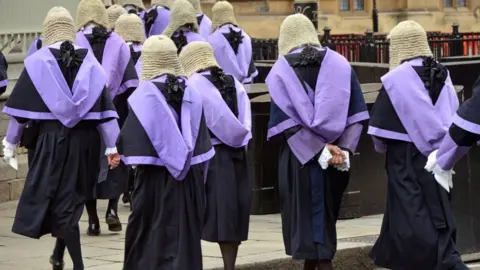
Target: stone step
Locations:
point(12, 181)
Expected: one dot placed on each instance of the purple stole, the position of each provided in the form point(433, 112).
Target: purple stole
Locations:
point(69, 106)
point(161, 22)
point(190, 36)
point(115, 60)
point(230, 130)
point(322, 113)
point(235, 64)
point(205, 26)
point(33, 46)
point(138, 66)
point(173, 145)
point(408, 95)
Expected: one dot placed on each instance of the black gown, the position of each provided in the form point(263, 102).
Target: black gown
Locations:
point(305, 189)
point(3, 74)
point(110, 184)
point(228, 187)
point(165, 226)
point(418, 230)
point(64, 162)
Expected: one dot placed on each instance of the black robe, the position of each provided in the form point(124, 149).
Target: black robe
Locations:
point(228, 187)
point(64, 162)
point(418, 230)
point(110, 184)
point(305, 189)
point(165, 226)
point(3, 74)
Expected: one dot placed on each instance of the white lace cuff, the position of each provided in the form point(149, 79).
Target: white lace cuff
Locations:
point(110, 151)
point(8, 149)
point(443, 178)
point(326, 156)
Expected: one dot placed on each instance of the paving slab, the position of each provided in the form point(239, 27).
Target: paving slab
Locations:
point(264, 250)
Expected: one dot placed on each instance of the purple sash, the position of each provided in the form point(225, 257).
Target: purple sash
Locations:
point(238, 65)
point(322, 113)
point(425, 123)
point(115, 59)
point(138, 66)
point(220, 119)
point(69, 107)
point(205, 26)
point(174, 147)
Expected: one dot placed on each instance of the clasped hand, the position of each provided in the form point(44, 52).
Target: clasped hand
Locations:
point(113, 160)
point(337, 153)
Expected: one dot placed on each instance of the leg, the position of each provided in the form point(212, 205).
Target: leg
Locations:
point(56, 260)
point(310, 265)
point(72, 241)
point(93, 222)
point(111, 217)
point(324, 265)
point(229, 253)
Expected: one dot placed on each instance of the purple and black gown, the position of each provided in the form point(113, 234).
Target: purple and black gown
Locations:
point(228, 187)
point(156, 20)
point(71, 104)
point(316, 100)
point(122, 79)
point(165, 136)
point(3, 74)
point(204, 25)
point(409, 120)
point(233, 52)
point(463, 133)
point(35, 46)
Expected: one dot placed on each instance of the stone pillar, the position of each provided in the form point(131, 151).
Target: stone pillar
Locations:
point(308, 8)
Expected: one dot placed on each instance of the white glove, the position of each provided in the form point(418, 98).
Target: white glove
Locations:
point(443, 178)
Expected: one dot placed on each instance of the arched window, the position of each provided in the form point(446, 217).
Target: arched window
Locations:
point(454, 3)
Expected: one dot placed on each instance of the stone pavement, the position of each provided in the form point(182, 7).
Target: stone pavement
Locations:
point(106, 251)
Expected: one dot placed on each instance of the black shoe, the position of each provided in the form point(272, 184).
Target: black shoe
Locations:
point(114, 224)
point(56, 265)
point(126, 198)
point(93, 228)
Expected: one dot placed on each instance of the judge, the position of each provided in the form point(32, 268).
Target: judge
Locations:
point(316, 107)
point(183, 26)
point(204, 23)
point(114, 12)
point(157, 18)
point(228, 117)
point(410, 118)
point(134, 6)
point(114, 55)
point(166, 138)
point(232, 46)
point(67, 95)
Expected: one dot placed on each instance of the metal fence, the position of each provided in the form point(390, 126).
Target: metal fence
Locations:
point(374, 47)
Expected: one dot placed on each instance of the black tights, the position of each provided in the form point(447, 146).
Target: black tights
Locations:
point(318, 265)
point(70, 240)
point(91, 206)
point(229, 254)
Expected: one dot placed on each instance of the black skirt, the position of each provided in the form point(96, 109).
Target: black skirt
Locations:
point(418, 230)
point(164, 228)
point(302, 191)
point(54, 193)
point(229, 193)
